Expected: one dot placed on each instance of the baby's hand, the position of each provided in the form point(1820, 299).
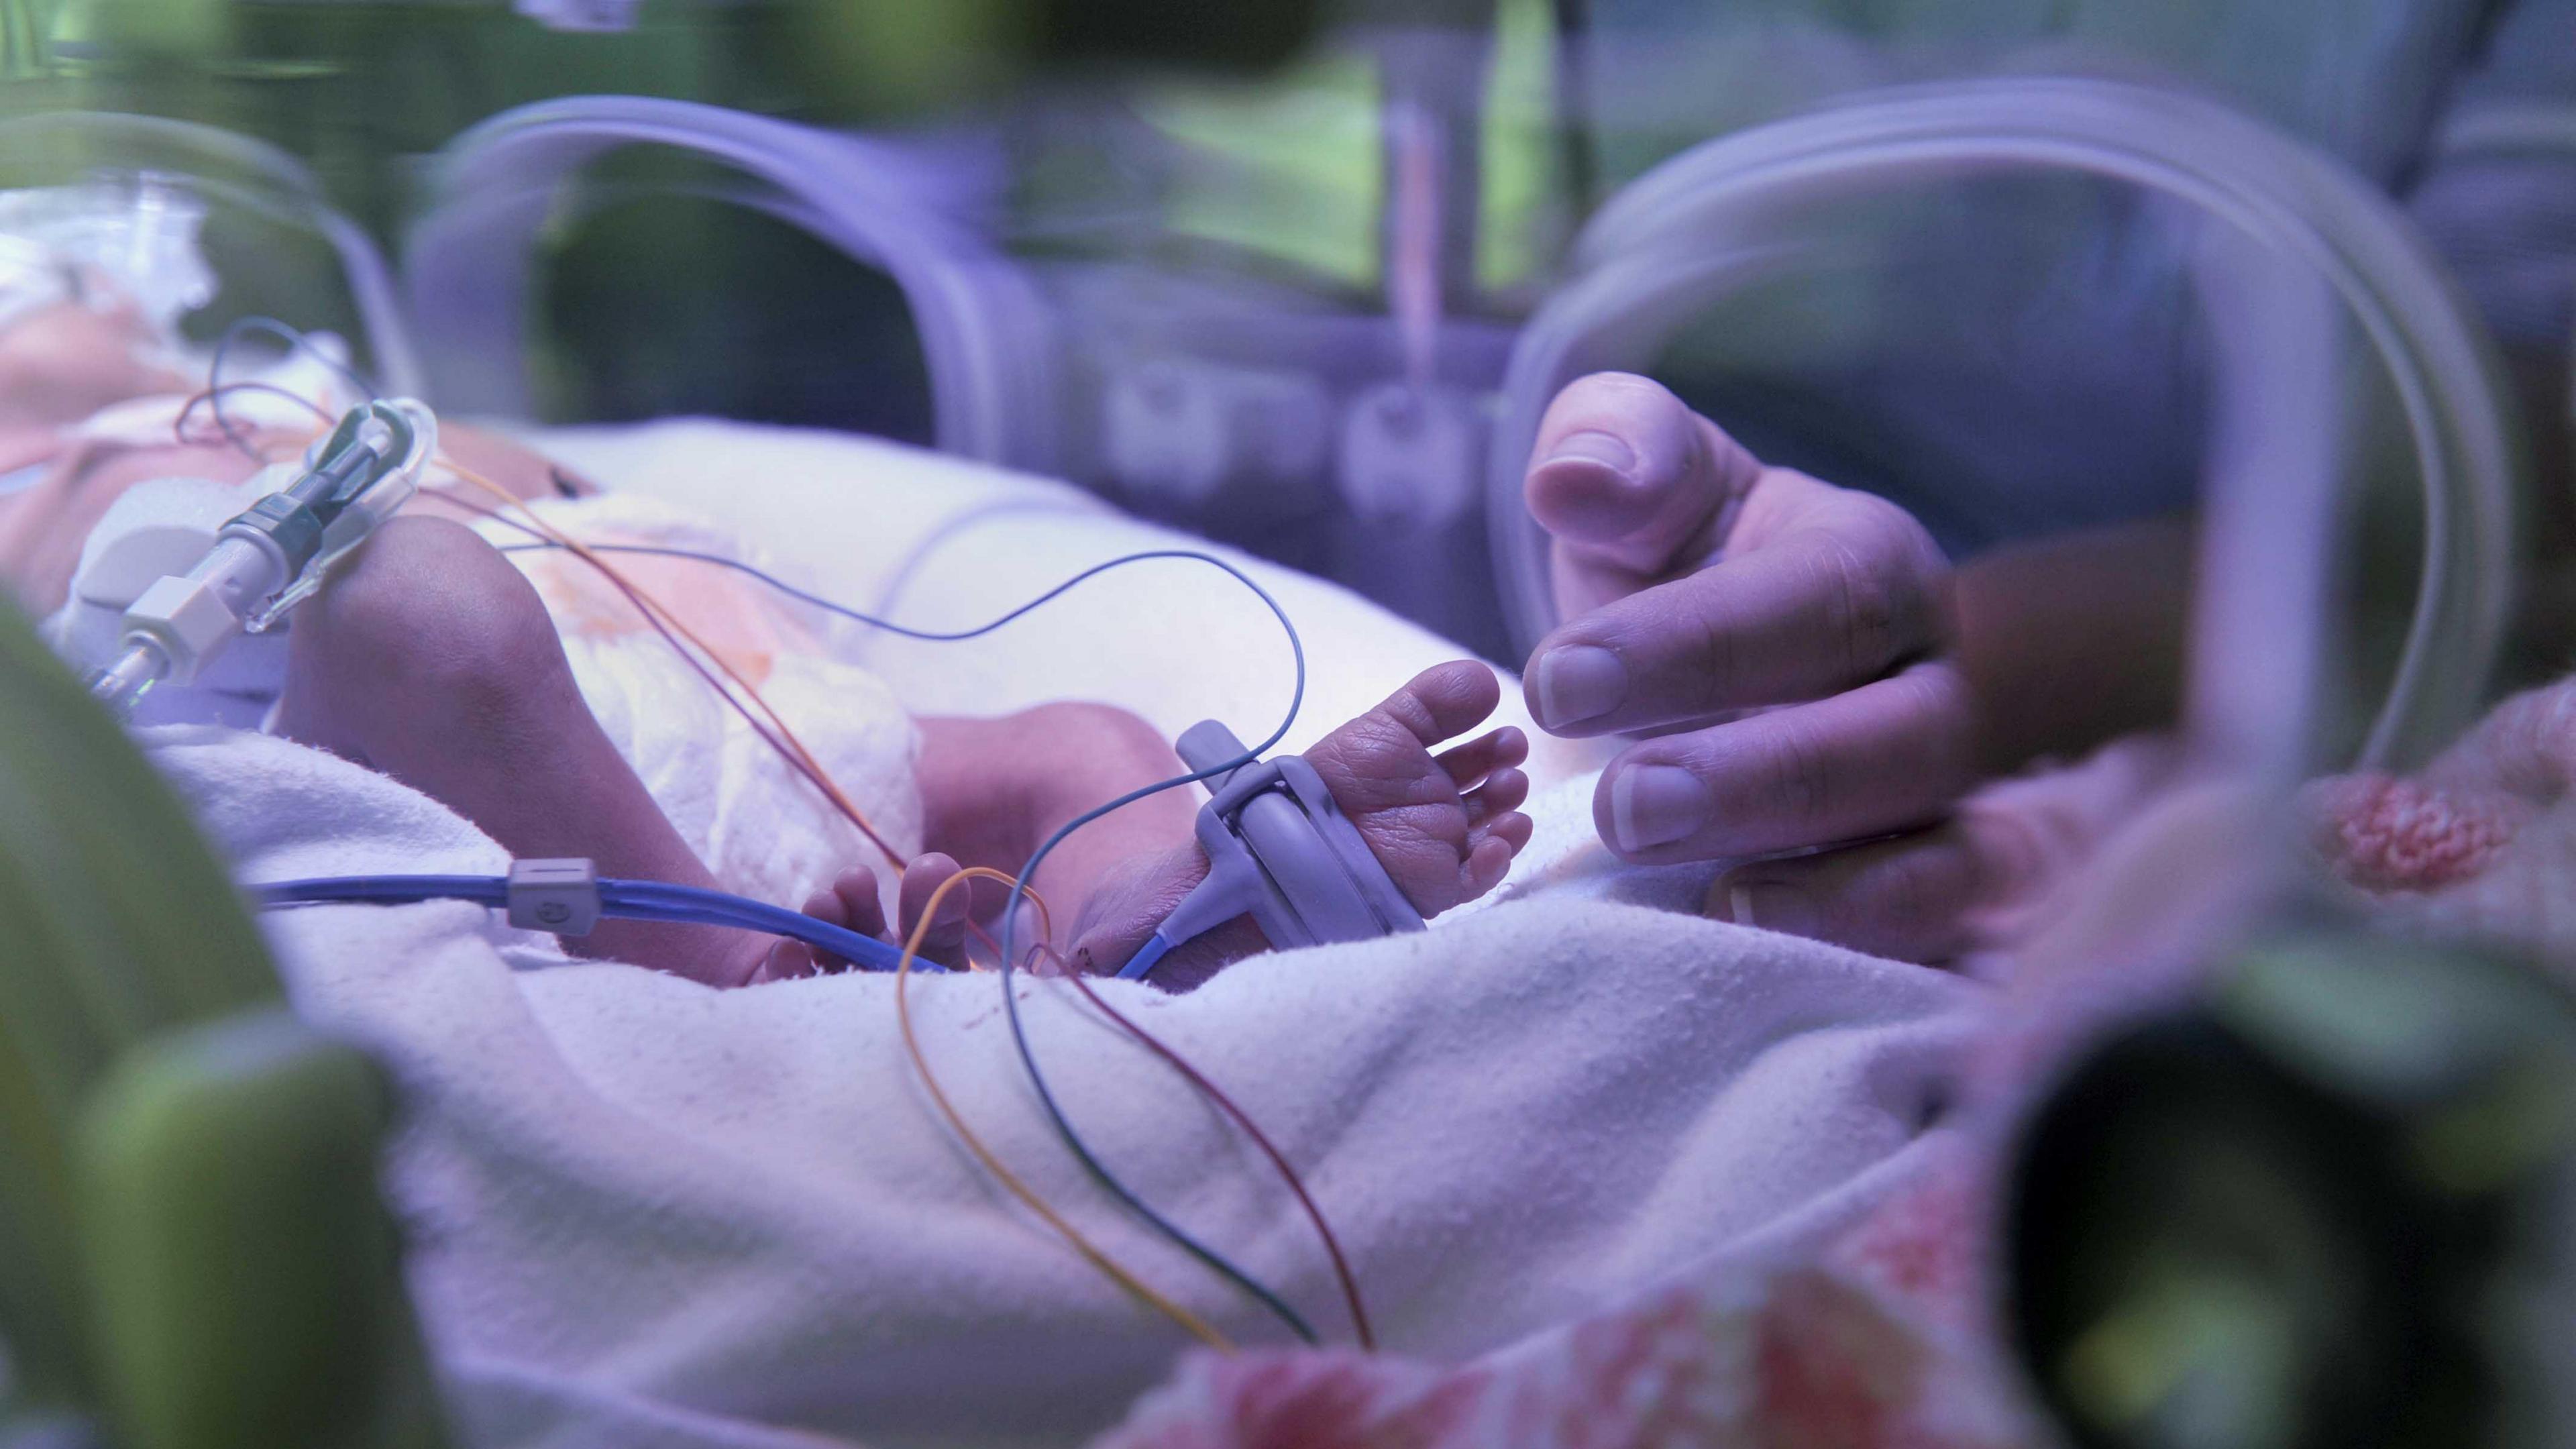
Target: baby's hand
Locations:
point(853, 904)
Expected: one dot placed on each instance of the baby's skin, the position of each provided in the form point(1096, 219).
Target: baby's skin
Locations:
point(434, 661)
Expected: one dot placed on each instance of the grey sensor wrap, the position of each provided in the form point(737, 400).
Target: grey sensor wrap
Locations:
point(1280, 849)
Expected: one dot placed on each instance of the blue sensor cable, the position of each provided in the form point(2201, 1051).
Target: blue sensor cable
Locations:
point(626, 900)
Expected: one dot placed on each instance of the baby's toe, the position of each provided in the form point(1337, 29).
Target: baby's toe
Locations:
point(1467, 765)
point(1502, 792)
point(785, 961)
point(1488, 861)
point(826, 906)
point(945, 940)
point(862, 910)
point(1444, 701)
point(1405, 802)
point(1513, 830)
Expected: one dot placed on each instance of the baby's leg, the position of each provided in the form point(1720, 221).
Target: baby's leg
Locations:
point(432, 660)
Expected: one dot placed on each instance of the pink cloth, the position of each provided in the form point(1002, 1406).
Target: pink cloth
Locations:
point(1876, 1341)
point(1883, 1339)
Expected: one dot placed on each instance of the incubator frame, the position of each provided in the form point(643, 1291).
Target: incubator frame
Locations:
point(1690, 232)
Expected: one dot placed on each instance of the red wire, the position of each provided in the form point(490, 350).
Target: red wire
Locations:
point(1197, 1080)
point(1224, 1103)
point(794, 761)
point(179, 424)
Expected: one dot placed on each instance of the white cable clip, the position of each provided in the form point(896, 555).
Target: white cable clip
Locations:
point(559, 895)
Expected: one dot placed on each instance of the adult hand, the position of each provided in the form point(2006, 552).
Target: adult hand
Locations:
point(1786, 646)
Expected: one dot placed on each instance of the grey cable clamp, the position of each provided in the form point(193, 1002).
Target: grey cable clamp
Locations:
point(560, 895)
point(1279, 849)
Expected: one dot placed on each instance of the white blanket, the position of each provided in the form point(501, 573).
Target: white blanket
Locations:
point(643, 1212)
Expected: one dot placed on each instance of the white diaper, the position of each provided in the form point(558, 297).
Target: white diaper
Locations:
point(761, 827)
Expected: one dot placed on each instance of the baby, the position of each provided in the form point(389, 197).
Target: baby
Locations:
point(432, 658)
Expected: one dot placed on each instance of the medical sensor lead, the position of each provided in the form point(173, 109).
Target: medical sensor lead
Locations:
point(275, 553)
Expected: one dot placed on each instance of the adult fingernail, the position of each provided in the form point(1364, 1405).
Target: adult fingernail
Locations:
point(1774, 907)
point(1577, 682)
point(1593, 447)
point(1653, 805)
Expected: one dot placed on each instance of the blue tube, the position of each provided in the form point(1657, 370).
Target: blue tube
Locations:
point(386, 890)
point(1147, 957)
point(626, 900)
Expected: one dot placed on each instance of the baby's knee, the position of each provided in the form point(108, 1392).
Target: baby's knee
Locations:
point(430, 607)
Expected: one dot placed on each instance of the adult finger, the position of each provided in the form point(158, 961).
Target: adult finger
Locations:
point(1630, 483)
point(1891, 754)
point(1852, 587)
point(1928, 896)
point(1632, 487)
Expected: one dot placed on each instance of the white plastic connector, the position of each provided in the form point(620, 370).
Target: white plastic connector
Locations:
point(558, 895)
point(365, 513)
point(187, 619)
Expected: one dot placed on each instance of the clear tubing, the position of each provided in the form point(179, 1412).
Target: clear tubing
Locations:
point(1689, 230)
point(122, 684)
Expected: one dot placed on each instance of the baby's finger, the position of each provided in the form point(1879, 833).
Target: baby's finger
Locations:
point(1502, 791)
point(1471, 762)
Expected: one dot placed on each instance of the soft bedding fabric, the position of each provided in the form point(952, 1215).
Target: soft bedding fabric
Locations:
point(647, 1212)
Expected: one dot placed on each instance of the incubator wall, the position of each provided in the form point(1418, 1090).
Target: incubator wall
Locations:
point(1279, 309)
point(2300, 273)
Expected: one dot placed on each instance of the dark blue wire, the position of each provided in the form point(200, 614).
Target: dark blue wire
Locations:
point(1010, 1002)
point(631, 900)
point(389, 890)
point(1100, 1173)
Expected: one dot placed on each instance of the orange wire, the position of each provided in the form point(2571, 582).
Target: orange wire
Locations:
point(789, 742)
point(1279, 1160)
point(822, 778)
point(1109, 1267)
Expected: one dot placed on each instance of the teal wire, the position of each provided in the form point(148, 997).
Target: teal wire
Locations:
point(1099, 1172)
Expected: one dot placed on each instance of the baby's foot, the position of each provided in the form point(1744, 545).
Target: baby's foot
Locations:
point(852, 903)
point(1445, 826)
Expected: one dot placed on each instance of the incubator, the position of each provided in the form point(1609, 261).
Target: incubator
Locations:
point(2210, 1212)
